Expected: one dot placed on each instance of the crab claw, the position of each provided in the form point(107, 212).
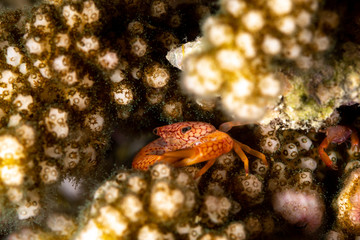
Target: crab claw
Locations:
point(323, 155)
point(354, 141)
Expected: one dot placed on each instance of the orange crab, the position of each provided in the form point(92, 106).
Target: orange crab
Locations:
point(337, 134)
point(187, 143)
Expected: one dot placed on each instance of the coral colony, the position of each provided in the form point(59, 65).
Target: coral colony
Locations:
point(84, 82)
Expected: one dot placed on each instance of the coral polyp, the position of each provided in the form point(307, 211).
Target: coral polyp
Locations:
point(240, 43)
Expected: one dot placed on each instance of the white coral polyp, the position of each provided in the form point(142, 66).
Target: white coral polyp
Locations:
point(245, 42)
point(173, 109)
point(30, 207)
point(35, 80)
point(229, 59)
point(10, 149)
point(269, 86)
point(242, 87)
point(62, 40)
point(90, 232)
point(24, 233)
point(71, 15)
point(234, 7)
point(321, 42)
point(61, 63)
point(271, 45)
point(90, 12)
point(88, 44)
point(60, 223)
point(138, 47)
point(95, 122)
point(164, 201)
point(87, 81)
point(217, 208)
point(79, 101)
point(15, 194)
point(70, 78)
point(12, 175)
point(148, 232)
point(49, 173)
point(253, 20)
point(117, 76)
point(304, 178)
point(242, 109)
point(56, 123)
point(157, 77)
point(114, 221)
point(194, 83)
point(14, 120)
point(23, 68)
point(41, 22)
point(26, 134)
point(303, 19)
point(236, 231)
point(286, 25)
point(220, 34)
point(207, 69)
point(132, 207)
point(43, 68)
point(307, 163)
point(158, 8)
point(280, 7)
point(292, 50)
point(123, 95)
point(89, 154)
point(270, 144)
point(160, 171)
point(72, 156)
point(108, 60)
point(13, 56)
point(54, 151)
point(23, 102)
point(7, 79)
point(34, 46)
point(305, 36)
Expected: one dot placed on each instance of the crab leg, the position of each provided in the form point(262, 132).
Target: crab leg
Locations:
point(354, 140)
point(227, 126)
point(323, 155)
point(190, 156)
point(149, 154)
point(253, 152)
point(181, 158)
point(205, 168)
point(188, 161)
point(170, 158)
point(241, 154)
point(146, 161)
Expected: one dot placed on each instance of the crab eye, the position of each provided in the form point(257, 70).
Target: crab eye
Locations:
point(155, 131)
point(185, 129)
